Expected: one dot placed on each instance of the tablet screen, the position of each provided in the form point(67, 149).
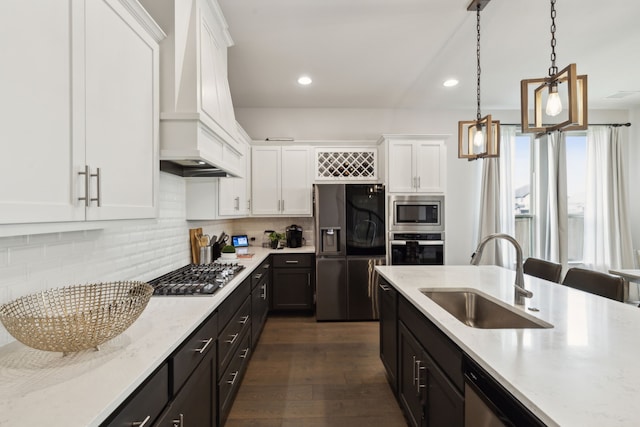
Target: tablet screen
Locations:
point(240, 241)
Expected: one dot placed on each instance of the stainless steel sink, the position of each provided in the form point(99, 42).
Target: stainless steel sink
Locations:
point(480, 311)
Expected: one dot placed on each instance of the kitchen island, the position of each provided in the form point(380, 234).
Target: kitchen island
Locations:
point(581, 372)
point(39, 388)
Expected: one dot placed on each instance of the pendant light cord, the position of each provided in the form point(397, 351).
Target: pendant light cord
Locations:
point(478, 59)
point(553, 70)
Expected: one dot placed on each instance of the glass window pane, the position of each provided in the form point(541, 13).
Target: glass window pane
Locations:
point(576, 193)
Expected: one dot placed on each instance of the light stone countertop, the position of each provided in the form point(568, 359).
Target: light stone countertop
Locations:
point(585, 371)
point(39, 388)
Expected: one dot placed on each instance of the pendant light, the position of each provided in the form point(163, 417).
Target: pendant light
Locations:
point(563, 94)
point(478, 138)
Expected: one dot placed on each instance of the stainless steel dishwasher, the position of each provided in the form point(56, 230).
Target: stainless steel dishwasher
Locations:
point(489, 404)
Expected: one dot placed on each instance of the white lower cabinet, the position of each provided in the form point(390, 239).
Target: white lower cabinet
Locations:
point(80, 92)
point(281, 180)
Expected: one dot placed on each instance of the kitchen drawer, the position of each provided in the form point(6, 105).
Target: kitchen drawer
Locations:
point(228, 308)
point(293, 260)
point(443, 351)
point(145, 404)
point(232, 376)
point(192, 352)
point(261, 273)
point(230, 336)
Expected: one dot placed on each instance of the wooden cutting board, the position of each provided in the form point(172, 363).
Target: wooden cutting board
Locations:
point(194, 238)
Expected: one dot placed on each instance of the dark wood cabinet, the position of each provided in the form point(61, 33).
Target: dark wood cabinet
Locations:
point(388, 309)
point(411, 377)
point(293, 282)
point(195, 405)
point(426, 364)
point(146, 403)
point(196, 385)
point(260, 289)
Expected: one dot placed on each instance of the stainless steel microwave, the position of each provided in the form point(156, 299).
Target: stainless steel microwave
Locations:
point(418, 213)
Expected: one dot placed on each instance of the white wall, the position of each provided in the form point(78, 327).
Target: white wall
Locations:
point(370, 124)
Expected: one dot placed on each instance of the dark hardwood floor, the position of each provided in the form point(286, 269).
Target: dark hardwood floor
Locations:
point(305, 373)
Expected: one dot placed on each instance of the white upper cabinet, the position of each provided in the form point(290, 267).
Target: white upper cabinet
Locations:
point(197, 121)
point(80, 92)
point(416, 163)
point(233, 193)
point(281, 180)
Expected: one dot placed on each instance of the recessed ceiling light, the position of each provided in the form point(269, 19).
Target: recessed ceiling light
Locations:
point(450, 83)
point(304, 80)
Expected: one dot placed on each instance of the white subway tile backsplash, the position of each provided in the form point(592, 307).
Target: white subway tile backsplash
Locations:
point(139, 250)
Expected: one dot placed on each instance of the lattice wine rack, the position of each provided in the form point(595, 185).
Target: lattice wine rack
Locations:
point(346, 165)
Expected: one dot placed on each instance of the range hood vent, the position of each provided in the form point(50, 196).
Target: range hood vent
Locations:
point(192, 169)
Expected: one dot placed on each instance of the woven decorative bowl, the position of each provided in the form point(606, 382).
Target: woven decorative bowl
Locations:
point(75, 318)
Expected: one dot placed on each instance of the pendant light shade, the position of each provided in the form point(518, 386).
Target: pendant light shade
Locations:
point(556, 102)
point(481, 137)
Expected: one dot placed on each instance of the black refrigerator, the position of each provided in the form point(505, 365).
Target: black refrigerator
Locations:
point(350, 242)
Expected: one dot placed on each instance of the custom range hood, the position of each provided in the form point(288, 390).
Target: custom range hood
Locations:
point(193, 169)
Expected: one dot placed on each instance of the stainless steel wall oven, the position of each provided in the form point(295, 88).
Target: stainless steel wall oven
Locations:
point(416, 229)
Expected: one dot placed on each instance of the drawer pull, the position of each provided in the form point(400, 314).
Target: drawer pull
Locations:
point(244, 320)
point(384, 287)
point(141, 423)
point(291, 261)
point(179, 422)
point(257, 276)
point(233, 380)
point(233, 339)
point(206, 344)
point(244, 354)
point(266, 266)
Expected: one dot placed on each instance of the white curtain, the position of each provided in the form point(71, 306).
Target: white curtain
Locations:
point(496, 201)
point(607, 230)
point(551, 207)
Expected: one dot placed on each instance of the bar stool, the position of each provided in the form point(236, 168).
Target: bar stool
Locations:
point(546, 270)
point(594, 282)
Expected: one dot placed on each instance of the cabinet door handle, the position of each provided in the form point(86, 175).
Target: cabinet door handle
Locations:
point(233, 339)
point(264, 292)
point(86, 185)
point(179, 422)
point(414, 370)
point(98, 185)
point(243, 320)
point(244, 354)
point(418, 182)
point(249, 204)
point(282, 205)
point(237, 203)
point(141, 423)
point(291, 261)
point(234, 375)
point(419, 370)
point(206, 344)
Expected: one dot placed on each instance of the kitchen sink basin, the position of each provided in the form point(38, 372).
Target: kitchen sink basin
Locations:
point(480, 311)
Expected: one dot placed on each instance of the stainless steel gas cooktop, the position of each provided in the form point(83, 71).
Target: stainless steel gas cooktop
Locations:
point(195, 279)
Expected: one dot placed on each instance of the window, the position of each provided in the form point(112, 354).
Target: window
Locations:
point(576, 193)
point(524, 192)
point(523, 189)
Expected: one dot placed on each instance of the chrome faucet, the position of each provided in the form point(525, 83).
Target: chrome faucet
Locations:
point(520, 292)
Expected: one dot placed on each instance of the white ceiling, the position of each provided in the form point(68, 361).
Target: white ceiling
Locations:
point(397, 53)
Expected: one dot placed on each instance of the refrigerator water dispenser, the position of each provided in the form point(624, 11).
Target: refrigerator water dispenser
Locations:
point(329, 241)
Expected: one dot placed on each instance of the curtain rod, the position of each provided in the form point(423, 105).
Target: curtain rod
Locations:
point(615, 125)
